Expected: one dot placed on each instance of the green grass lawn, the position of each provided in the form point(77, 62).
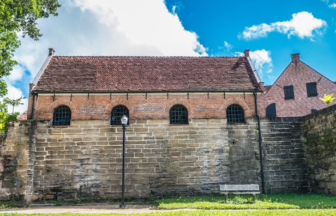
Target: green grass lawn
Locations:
point(206, 213)
point(272, 201)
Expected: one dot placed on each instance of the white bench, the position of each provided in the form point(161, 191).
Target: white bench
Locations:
point(239, 189)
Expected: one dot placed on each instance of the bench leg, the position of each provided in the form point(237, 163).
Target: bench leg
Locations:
point(254, 198)
point(226, 198)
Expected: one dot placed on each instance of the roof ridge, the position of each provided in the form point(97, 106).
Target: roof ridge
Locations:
point(155, 56)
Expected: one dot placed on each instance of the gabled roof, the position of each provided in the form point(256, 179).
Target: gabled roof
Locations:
point(288, 67)
point(142, 74)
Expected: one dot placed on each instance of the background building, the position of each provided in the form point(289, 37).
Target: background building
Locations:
point(297, 91)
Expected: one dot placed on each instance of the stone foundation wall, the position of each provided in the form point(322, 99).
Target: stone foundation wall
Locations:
point(322, 180)
point(180, 159)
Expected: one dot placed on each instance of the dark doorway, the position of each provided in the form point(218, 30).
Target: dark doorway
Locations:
point(271, 111)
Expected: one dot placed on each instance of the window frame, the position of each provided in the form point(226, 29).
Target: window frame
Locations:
point(67, 121)
point(309, 87)
point(228, 118)
point(289, 97)
point(127, 114)
point(174, 122)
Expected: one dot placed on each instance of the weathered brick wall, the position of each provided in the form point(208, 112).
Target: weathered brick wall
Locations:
point(17, 159)
point(152, 106)
point(284, 155)
point(299, 74)
point(322, 180)
point(183, 160)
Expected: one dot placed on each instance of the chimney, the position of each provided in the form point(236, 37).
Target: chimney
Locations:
point(296, 58)
point(51, 52)
point(261, 84)
point(247, 53)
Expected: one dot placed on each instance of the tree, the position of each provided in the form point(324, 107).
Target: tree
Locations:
point(3, 117)
point(19, 17)
point(13, 102)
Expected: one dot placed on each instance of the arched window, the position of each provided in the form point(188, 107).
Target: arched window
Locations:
point(178, 115)
point(117, 113)
point(235, 114)
point(62, 115)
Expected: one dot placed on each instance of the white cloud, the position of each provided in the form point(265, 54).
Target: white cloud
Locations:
point(261, 59)
point(146, 22)
point(16, 74)
point(332, 6)
point(227, 46)
point(107, 27)
point(302, 24)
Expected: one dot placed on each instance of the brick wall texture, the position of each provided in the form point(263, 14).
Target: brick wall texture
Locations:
point(155, 106)
point(298, 74)
point(42, 160)
point(318, 123)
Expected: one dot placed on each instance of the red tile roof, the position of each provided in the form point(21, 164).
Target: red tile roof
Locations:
point(141, 74)
point(22, 117)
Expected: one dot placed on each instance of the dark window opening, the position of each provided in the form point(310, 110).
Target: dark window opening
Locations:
point(289, 92)
point(311, 89)
point(178, 115)
point(313, 110)
point(235, 114)
point(271, 111)
point(117, 113)
point(62, 116)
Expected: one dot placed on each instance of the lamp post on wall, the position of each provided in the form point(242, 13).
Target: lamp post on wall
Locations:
point(124, 121)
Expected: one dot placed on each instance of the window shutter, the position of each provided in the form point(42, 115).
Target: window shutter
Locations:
point(289, 92)
point(311, 89)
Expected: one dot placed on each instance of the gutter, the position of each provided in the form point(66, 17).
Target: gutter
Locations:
point(260, 148)
point(33, 109)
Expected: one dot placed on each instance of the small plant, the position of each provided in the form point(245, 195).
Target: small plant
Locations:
point(166, 194)
point(12, 179)
point(3, 206)
point(103, 198)
point(129, 199)
point(73, 201)
point(327, 99)
point(151, 198)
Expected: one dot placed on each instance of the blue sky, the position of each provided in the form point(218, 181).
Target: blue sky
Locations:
point(272, 30)
point(219, 21)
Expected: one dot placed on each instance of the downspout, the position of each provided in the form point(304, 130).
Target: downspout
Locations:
point(33, 104)
point(260, 149)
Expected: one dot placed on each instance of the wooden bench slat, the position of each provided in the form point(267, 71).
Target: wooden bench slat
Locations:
point(251, 187)
point(257, 192)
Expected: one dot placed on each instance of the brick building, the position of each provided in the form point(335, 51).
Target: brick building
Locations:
point(297, 91)
point(192, 126)
point(147, 87)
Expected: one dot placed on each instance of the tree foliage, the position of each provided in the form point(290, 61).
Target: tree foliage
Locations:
point(18, 17)
point(3, 117)
point(13, 102)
